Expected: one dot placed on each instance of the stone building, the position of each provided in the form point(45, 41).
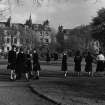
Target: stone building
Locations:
point(12, 35)
point(10, 40)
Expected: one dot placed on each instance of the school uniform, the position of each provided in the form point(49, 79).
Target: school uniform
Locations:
point(20, 64)
point(11, 60)
point(36, 64)
point(100, 63)
point(77, 61)
point(12, 64)
point(55, 56)
point(28, 65)
point(64, 63)
point(48, 57)
point(88, 66)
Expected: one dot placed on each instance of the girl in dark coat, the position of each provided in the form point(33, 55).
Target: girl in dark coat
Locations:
point(28, 65)
point(20, 67)
point(77, 61)
point(36, 64)
point(12, 63)
point(88, 66)
point(64, 64)
point(55, 56)
point(48, 57)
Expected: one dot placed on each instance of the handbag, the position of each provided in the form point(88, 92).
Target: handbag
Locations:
point(8, 66)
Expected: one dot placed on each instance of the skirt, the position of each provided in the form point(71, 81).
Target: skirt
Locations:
point(36, 67)
point(64, 67)
point(88, 67)
point(77, 68)
point(11, 66)
point(100, 66)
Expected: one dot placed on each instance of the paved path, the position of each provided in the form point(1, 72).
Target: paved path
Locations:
point(19, 93)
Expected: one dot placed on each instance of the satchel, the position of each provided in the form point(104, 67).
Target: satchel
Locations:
point(8, 66)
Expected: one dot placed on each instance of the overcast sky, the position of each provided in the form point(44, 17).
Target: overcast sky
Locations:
point(69, 13)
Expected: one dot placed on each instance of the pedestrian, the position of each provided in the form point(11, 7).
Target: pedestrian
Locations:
point(12, 62)
point(36, 64)
point(48, 57)
point(77, 61)
point(20, 63)
point(55, 56)
point(88, 66)
point(100, 62)
point(28, 65)
point(64, 64)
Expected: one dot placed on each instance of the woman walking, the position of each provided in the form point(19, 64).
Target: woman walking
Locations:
point(20, 63)
point(88, 66)
point(100, 62)
point(36, 64)
point(48, 57)
point(77, 61)
point(28, 65)
point(12, 62)
point(64, 64)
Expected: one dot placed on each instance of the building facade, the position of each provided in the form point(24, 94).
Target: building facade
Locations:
point(10, 40)
point(12, 34)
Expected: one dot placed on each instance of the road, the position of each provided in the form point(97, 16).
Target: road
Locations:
point(19, 93)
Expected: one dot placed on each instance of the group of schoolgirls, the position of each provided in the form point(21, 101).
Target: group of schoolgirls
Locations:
point(100, 63)
point(23, 63)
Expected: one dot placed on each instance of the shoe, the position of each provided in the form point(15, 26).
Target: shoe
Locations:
point(11, 79)
point(37, 77)
point(27, 79)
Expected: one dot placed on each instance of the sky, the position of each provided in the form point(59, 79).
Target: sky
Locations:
point(68, 13)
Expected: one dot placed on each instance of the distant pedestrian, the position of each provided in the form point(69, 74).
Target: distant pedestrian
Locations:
point(48, 57)
point(100, 62)
point(77, 61)
point(88, 66)
point(55, 56)
point(12, 62)
point(36, 64)
point(64, 64)
point(20, 63)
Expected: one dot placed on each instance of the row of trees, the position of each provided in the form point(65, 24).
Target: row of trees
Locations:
point(98, 27)
point(81, 36)
point(77, 38)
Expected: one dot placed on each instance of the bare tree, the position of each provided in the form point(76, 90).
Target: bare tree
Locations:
point(40, 2)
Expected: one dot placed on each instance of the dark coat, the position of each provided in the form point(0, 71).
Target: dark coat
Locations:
point(88, 60)
point(77, 60)
point(48, 57)
point(55, 56)
point(28, 64)
point(36, 64)
point(20, 62)
point(100, 66)
point(11, 60)
point(64, 63)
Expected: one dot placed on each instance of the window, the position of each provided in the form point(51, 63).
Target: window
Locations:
point(41, 33)
point(46, 40)
point(8, 40)
point(41, 39)
point(46, 33)
point(15, 40)
point(5, 32)
point(7, 48)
